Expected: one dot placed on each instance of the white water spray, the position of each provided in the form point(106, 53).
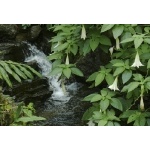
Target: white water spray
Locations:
point(54, 83)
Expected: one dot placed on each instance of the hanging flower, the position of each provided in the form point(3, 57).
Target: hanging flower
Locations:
point(67, 60)
point(83, 33)
point(91, 123)
point(117, 44)
point(114, 85)
point(141, 103)
point(111, 50)
point(137, 61)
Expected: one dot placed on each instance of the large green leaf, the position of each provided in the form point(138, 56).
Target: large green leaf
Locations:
point(89, 97)
point(104, 40)
point(86, 48)
point(132, 86)
point(118, 71)
point(127, 40)
point(56, 71)
point(67, 72)
point(96, 98)
point(117, 31)
point(147, 40)
point(99, 78)
point(127, 74)
point(102, 122)
point(109, 79)
point(104, 104)
point(94, 42)
point(77, 72)
point(128, 113)
point(116, 104)
point(138, 42)
point(106, 27)
point(30, 119)
point(92, 77)
point(132, 118)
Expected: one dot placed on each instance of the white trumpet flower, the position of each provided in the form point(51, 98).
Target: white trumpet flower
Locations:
point(83, 33)
point(137, 62)
point(141, 103)
point(67, 60)
point(114, 85)
point(111, 50)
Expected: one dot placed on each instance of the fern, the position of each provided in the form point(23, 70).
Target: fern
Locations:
point(17, 70)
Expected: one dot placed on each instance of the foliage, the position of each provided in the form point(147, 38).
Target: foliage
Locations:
point(12, 113)
point(127, 76)
point(17, 70)
point(25, 26)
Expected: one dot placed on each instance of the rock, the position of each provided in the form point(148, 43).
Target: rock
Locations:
point(30, 91)
point(34, 32)
point(12, 51)
point(91, 63)
point(7, 32)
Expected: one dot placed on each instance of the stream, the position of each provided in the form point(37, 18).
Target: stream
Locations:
point(59, 109)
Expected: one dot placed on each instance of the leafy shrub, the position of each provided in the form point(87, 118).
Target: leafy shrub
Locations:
point(123, 100)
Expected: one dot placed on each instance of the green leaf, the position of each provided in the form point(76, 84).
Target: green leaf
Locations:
point(110, 123)
point(16, 77)
point(89, 97)
point(92, 77)
point(18, 71)
point(96, 98)
point(148, 64)
point(118, 71)
point(56, 71)
point(142, 120)
point(104, 104)
point(147, 40)
point(99, 78)
point(148, 85)
point(77, 72)
point(5, 76)
point(127, 40)
point(138, 42)
point(127, 74)
point(106, 27)
point(67, 72)
point(128, 113)
point(109, 78)
point(104, 40)
point(132, 86)
point(116, 104)
point(116, 124)
point(86, 48)
point(132, 118)
point(30, 119)
point(97, 115)
point(102, 122)
point(94, 42)
point(117, 31)
point(74, 49)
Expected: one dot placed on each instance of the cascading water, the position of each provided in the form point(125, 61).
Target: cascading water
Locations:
point(54, 83)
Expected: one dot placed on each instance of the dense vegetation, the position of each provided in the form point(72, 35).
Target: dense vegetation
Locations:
point(123, 80)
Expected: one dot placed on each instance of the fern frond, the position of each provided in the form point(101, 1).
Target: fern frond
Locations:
point(17, 70)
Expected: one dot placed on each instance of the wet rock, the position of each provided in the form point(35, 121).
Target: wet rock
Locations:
point(34, 32)
point(30, 91)
point(91, 63)
point(12, 51)
point(8, 31)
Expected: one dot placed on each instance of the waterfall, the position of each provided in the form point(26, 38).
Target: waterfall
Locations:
point(46, 66)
